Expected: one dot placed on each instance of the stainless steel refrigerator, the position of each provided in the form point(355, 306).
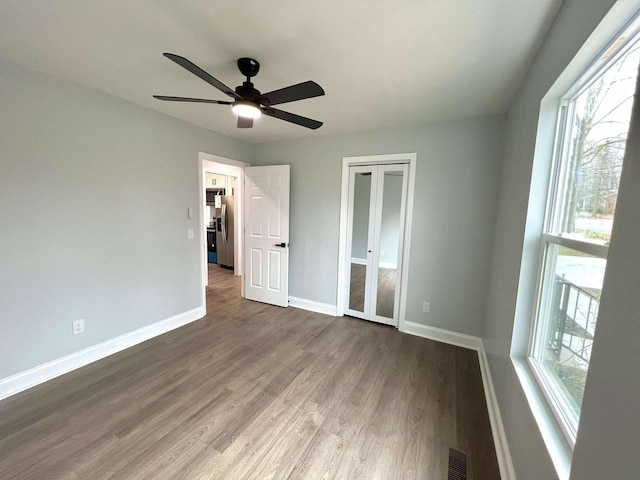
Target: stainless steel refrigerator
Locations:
point(225, 231)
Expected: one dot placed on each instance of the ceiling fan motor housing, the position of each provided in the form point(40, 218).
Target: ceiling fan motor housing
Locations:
point(247, 90)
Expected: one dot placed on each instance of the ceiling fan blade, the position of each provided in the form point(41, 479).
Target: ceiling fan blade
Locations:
point(300, 91)
point(292, 117)
point(244, 122)
point(196, 70)
point(187, 99)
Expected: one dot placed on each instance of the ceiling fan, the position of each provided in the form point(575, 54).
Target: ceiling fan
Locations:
point(248, 103)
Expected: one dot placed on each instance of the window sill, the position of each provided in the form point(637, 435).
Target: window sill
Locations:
point(560, 450)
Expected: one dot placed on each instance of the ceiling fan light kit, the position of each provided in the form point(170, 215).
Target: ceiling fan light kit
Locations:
point(246, 109)
point(249, 103)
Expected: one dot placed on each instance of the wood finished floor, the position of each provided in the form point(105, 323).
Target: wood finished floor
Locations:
point(254, 392)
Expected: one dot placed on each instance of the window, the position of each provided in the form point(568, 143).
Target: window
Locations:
point(593, 121)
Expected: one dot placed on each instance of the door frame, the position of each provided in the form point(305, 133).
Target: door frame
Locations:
point(209, 163)
point(407, 158)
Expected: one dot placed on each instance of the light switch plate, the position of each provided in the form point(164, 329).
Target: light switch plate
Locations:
point(190, 212)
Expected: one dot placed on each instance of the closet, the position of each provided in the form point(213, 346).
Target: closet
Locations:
point(376, 215)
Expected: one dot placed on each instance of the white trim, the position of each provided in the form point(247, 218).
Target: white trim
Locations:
point(405, 260)
point(378, 159)
point(48, 371)
point(204, 256)
point(595, 249)
point(312, 306)
point(343, 238)
point(568, 425)
point(505, 463)
point(234, 168)
point(359, 261)
point(226, 161)
point(560, 451)
point(441, 335)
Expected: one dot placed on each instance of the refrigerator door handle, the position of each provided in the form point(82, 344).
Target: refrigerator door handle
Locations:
point(226, 226)
point(224, 222)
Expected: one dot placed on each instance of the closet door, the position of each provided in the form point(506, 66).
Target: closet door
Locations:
point(360, 218)
point(376, 214)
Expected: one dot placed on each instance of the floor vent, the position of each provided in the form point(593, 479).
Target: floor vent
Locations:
point(457, 465)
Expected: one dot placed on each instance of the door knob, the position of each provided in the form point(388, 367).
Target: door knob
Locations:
point(283, 245)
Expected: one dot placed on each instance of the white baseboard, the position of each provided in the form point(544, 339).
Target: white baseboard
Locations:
point(312, 306)
point(359, 261)
point(441, 335)
point(505, 463)
point(42, 373)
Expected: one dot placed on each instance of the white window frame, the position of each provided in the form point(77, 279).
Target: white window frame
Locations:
point(551, 231)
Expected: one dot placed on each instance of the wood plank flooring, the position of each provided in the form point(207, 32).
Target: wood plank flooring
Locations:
point(253, 391)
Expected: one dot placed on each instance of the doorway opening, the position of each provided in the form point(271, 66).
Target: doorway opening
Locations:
point(220, 219)
point(375, 226)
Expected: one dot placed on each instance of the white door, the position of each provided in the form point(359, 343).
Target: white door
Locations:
point(376, 219)
point(266, 247)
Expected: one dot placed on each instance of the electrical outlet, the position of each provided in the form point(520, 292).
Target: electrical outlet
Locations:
point(382, 253)
point(190, 234)
point(78, 326)
point(426, 307)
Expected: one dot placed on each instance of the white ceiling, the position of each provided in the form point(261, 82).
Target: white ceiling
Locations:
point(381, 63)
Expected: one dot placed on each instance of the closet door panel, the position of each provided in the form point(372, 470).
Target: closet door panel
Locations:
point(360, 222)
point(389, 241)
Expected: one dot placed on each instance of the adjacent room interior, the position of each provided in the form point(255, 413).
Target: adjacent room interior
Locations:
point(344, 240)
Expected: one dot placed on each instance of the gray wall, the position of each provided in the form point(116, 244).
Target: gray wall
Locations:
point(609, 432)
point(452, 227)
point(94, 194)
